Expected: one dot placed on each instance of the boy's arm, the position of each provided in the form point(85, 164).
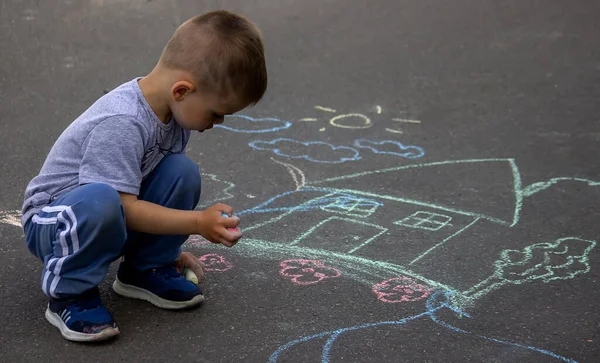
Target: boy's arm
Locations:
point(112, 154)
point(146, 217)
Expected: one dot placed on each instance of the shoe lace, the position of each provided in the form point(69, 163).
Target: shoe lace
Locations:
point(167, 272)
point(86, 302)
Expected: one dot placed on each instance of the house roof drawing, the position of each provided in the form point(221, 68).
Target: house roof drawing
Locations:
point(483, 188)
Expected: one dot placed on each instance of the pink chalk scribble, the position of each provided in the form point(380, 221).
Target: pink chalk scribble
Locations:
point(400, 289)
point(214, 262)
point(197, 240)
point(307, 272)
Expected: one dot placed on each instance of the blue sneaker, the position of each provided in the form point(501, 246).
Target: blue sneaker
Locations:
point(83, 318)
point(164, 287)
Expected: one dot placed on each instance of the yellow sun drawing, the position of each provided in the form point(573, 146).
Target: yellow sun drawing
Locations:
point(356, 120)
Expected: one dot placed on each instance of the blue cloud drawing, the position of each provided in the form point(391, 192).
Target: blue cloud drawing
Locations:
point(251, 125)
point(409, 152)
point(315, 151)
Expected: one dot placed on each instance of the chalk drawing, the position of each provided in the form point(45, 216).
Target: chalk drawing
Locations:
point(363, 270)
point(426, 220)
point(212, 183)
point(344, 203)
point(538, 187)
point(562, 259)
point(215, 263)
point(307, 272)
point(251, 125)
point(326, 109)
point(296, 173)
point(444, 241)
point(391, 173)
point(394, 131)
point(11, 217)
point(315, 151)
point(261, 208)
point(400, 289)
point(336, 121)
point(311, 231)
point(354, 120)
point(409, 152)
point(349, 220)
point(438, 301)
point(406, 120)
point(350, 205)
point(197, 240)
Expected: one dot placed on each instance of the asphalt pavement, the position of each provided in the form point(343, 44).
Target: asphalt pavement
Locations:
point(419, 184)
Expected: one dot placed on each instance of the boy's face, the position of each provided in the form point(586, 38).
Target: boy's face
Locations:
point(196, 110)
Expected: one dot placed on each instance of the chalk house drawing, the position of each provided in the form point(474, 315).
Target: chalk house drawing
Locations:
point(361, 214)
point(359, 211)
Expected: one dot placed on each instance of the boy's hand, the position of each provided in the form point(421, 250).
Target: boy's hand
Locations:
point(213, 226)
point(190, 261)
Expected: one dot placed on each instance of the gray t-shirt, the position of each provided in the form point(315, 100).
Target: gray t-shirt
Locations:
point(118, 141)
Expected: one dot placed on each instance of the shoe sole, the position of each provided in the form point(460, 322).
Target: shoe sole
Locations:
point(76, 336)
point(135, 292)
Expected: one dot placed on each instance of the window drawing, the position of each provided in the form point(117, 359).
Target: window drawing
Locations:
point(425, 220)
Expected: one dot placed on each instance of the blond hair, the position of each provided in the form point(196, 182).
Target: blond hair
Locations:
point(223, 51)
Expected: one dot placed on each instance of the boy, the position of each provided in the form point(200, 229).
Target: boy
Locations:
point(117, 184)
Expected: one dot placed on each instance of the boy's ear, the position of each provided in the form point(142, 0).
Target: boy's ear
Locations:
point(181, 89)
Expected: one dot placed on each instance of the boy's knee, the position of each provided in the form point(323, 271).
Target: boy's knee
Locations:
point(186, 171)
point(103, 204)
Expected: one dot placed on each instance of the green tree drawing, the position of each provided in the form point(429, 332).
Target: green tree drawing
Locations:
point(562, 259)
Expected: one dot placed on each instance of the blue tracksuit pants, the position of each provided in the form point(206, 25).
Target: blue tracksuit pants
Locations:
point(82, 232)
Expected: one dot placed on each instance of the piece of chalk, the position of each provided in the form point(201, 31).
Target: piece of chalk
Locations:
point(223, 214)
point(190, 275)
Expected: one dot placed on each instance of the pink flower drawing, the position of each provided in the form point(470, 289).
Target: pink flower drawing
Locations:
point(215, 262)
point(307, 272)
point(400, 289)
point(197, 240)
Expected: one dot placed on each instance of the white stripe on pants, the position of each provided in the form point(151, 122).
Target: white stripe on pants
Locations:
point(64, 244)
